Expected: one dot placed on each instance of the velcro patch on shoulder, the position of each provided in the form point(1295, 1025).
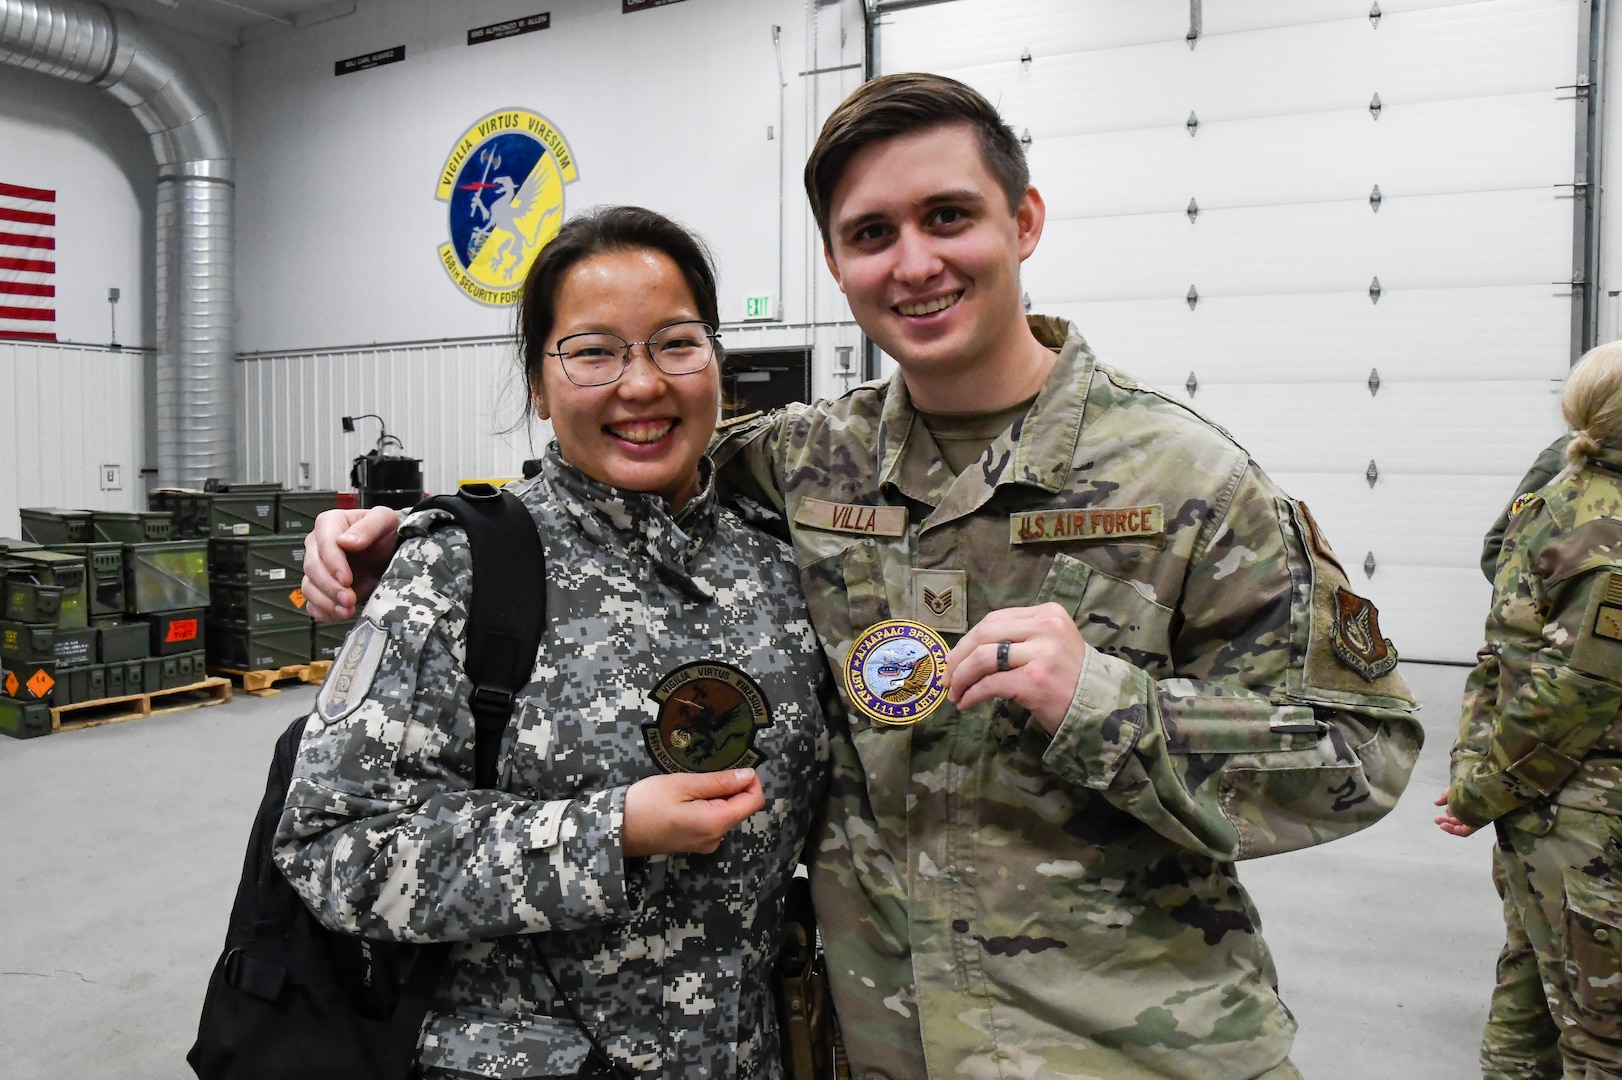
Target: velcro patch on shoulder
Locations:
point(1598, 649)
point(350, 679)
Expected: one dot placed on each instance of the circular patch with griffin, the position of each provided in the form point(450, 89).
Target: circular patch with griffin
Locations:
point(708, 715)
point(896, 672)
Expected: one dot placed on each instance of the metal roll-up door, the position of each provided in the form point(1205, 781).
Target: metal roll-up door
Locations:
point(1391, 356)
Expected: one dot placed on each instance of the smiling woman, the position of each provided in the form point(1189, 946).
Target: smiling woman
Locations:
point(674, 696)
point(627, 375)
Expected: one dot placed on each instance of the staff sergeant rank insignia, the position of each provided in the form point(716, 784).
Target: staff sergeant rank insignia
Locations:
point(708, 715)
point(896, 672)
point(503, 182)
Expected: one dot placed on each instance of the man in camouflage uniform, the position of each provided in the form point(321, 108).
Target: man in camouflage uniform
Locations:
point(1159, 667)
point(1037, 879)
point(661, 956)
point(1539, 755)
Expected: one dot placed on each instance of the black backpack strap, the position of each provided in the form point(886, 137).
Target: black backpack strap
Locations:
point(507, 612)
point(505, 620)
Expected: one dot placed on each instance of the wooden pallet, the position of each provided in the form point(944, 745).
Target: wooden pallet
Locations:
point(116, 710)
point(262, 683)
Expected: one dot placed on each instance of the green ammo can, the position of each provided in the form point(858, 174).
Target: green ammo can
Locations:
point(269, 605)
point(242, 511)
point(165, 577)
point(134, 527)
point(246, 648)
point(24, 719)
point(29, 601)
point(124, 642)
point(31, 680)
point(296, 510)
point(259, 560)
point(104, 582)
point(58, 568)
point(8, 544)
point(48, 525)
point(76, 648)
point(27, 642)
point(175, 632)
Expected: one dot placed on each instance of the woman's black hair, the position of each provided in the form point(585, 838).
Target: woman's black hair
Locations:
point(595, 232)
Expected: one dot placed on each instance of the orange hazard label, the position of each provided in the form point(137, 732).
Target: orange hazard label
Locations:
point(11, 684)
point(297, 596)
point(41, 683)
point(182, 630)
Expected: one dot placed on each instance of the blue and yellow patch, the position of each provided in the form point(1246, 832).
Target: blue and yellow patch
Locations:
point(503, 183)
point(896, 672)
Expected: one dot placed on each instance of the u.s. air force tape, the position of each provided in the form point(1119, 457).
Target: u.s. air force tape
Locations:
point(896, 672)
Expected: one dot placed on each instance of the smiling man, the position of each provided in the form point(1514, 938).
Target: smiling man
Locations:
point(1157, 666)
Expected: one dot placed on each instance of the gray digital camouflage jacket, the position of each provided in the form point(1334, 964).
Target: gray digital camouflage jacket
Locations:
point(684, 641)
point(998, 903)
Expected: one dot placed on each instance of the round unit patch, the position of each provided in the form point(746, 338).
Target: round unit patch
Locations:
point(896, 672)
point(504, 182)
point(708, 715)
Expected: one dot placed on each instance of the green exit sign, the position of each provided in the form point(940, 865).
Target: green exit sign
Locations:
point(759, 307)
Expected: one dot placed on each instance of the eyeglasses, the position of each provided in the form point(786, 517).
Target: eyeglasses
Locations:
point(597, 359)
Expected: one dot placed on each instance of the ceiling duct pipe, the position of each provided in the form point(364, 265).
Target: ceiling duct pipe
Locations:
point(87, 42)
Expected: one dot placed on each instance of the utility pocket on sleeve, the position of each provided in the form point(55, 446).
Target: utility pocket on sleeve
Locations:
point(1115, 616)
point(1593, 959)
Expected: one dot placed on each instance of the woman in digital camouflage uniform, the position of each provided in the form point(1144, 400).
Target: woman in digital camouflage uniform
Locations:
point(666, 759)
point(1539, 752)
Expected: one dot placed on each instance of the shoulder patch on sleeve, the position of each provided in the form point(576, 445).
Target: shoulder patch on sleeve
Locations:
point(1598, 649)
point(1522, 501)
point(1356, 637)
point(350, 678)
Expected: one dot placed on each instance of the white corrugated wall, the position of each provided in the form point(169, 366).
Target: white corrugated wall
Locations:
point(66, 411)
point(1470, 336)
point(448, 402)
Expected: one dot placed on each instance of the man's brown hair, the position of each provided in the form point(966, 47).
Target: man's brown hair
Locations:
point(894, 105)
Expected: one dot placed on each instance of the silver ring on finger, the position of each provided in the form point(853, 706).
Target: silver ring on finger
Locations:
point(1003, 649)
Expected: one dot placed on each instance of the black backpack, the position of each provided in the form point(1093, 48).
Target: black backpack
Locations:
point(290, 998)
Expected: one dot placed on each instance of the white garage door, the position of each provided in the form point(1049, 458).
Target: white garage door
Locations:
point(1470, 337)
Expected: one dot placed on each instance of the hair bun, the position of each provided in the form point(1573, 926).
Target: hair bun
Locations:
point(1581, 448)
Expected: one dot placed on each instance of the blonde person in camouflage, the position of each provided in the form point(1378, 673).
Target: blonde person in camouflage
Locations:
point(1539, 753)
point(1130, 658)
point(665, 762)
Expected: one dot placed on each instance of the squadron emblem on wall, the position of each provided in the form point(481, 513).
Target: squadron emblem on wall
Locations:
point(708, 715)
point(503, 183)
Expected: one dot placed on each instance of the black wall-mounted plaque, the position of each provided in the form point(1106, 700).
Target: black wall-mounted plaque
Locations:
point(369, 60)
point(628, 6)
point(511, 28)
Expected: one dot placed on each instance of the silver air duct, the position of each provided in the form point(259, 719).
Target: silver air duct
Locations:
point(91, 43)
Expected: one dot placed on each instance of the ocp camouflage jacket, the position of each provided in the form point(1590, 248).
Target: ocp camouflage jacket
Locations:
point(1541, 722)
point(666, 958)
point(995, 902)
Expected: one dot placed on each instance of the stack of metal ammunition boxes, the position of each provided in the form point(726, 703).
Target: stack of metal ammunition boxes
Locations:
point(98, 605)
point(255, 536)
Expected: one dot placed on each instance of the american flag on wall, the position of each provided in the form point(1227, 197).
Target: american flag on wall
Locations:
point(27, 263)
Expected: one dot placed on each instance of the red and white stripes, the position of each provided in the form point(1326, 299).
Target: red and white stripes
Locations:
point(27, 263)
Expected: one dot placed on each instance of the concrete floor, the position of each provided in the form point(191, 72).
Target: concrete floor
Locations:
point(120, 849)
